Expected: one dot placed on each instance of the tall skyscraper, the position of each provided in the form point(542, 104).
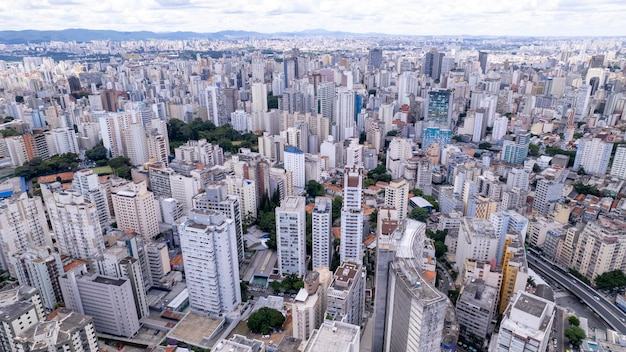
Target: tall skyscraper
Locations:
point(516, 151)
point(397, 196)
point(135, 210)
point(23, 225)
point(346, 117)
point(87, 183)
point(327, 101)
point(439, 108)
point(259, 97)
point(547, 194)
point(291, 236)
point(482, 58)
point(321, 233)
point(351, 247)
point(294, 162)
point(593, 154)
point(40, 269)
point(208, 242)
point(75, 224)
point(216, 197)
point(618, 168)
point(376, 57)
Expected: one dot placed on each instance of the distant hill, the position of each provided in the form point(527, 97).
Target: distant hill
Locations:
point(85, 35)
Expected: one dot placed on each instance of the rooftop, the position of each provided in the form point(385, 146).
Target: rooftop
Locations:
point(195, 329)
point(333, 336)
point(109, 280)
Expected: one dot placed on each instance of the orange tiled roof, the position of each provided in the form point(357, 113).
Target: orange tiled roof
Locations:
point(336, 231)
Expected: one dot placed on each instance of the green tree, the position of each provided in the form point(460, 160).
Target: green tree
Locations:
point(315, 189)
point(575, 335)
point(419, 214)
point(533, 150)
point(484, 145)
point(536, 168)
point(574, 321)
point(611, 279)
point(264, 320)
point(417, 192)
point(337, 202)
point(9, 132)
point(432, 201)
point(440, 249)
point(99, 152)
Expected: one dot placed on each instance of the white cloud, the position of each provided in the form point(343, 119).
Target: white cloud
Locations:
point(441, 17)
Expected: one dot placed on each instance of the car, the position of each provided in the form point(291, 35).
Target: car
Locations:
point(120, 346)
point(596, 298)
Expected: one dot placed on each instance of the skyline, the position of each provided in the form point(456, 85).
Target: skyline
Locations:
point(495, 18)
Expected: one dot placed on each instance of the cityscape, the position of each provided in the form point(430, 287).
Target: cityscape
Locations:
point(307, 187)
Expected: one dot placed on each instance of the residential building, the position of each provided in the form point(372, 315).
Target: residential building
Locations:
point(75, 224)
point(346, 294)
point(593, 154)
point(294, 162)
point(618, 168)
point(475, 308)
point(351, 246)
point(40, 268)
point(247, 192)
point(309, 305)
point(526, 324)
point(600, 248)
point(23, 225)
point(321, 233)
point(547, 194)
point(21, 309)
point(516, 151)
point(335, 336)
point(208, 243)
point(291, 236)
point(108, 300)
point(514, 269)
point(477, 241)
point(397, 196)
point(86, 181)
point(135, 210)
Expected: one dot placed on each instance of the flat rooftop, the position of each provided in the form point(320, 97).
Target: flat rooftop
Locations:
point(333, 336)
point(109, 280)
point(195, 329)
point(530, 305)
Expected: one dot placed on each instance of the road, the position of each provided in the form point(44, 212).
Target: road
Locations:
point(445, 283)
point(612, 315)
point(560, 330)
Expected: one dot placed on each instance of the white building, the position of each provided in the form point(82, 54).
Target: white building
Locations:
point(351, 247)
point(209, 246)
point(346, 294)
point(593, 154)
point(294, 161)
point(183, 188)
point(397, 196)
point(526, 324)
point(247, 192)
point(75, 225)
point(239, 121)
point(309, 305)
point(135, 210)
point(345, 122)
point(65, 140)
point(87, 183)
point(321, 233)
point(618, 169)
point(291, 236)
point(109, 301)
point(547, 194)
point(23, 225)
point(335, 336)
point(40, 269)
point(259, 97)
point(477, 241)
point(136, 144)
point(24, 303)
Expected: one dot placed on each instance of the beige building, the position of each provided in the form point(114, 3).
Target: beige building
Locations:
point(309, 305)
point(346, 294)
point(601, 247)
point(135, 209)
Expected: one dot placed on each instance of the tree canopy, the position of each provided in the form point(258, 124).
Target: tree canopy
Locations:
point(264, 320)
point(225, 136)
point(56, 164)
point(574, 321)
point(97, 153)
point(611, 279)
point(379, 173)
point(315, 189)
point(575, 335)
point(419, 214)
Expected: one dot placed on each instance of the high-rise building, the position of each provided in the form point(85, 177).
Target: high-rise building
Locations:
point(397, 196)
point(477, 240)
point(526, 324)
point(65, 140)
point(482, 58)
point(475, 308)
point(547, 194)
point(247, 192)
point(321, 233)
point(345, 117)
point(216, 197)
point(158, 261)
point(376, 57)
point(309, 304)
point(86, 181)
point(599, 248)
point(346, 294)
point(437, 135)
point(108, 300)
point(23, 225)
point(439, 108)
point(618, 168)
point(40, 268)
point(593, 154)
point(514, 269)
point(402, 294)
point(135, 209)
point(351, 246)
point(75, 224)
point(208, 242)
point(291, 236)
point(294, 162)
point(259, 97)
point(24, 303)
point(516, 151)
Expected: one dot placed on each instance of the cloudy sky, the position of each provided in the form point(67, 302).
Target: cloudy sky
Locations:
point(433, 17)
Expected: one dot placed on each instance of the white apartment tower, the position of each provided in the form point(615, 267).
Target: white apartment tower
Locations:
point(40, 269)
point(346, 294)
point(247, 192)
point(397, 196)
point(351, 247)
point(618, 169)
point(209, 245)
point(291, 236)
point(345, 122)
point(87, 183)
point(259, 97)
point(593, 154)
point(135, 209)
point(75, 224)
point(321, 233)
point(294, 161)
point(23, 225)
